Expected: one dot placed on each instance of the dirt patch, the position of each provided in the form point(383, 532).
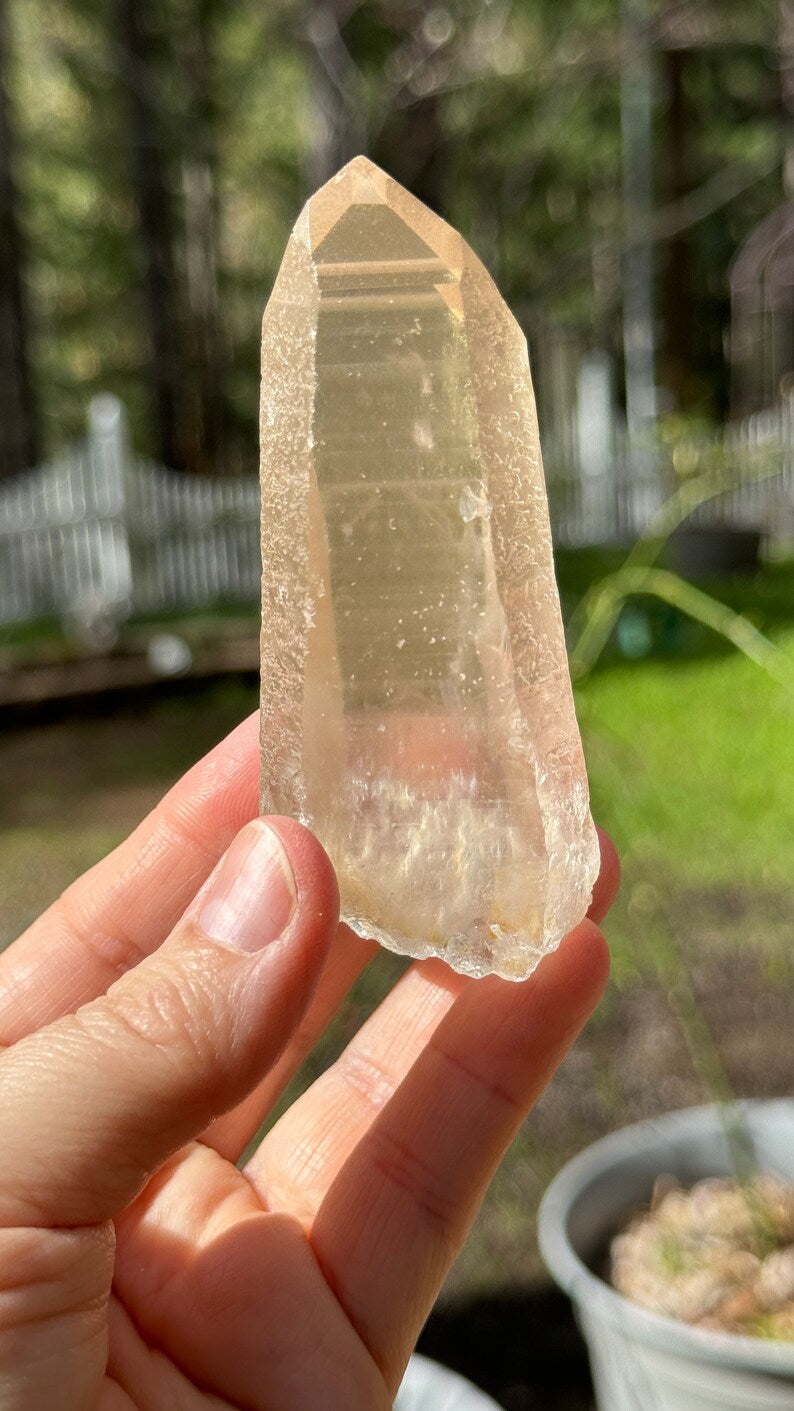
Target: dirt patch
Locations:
point(112, 766)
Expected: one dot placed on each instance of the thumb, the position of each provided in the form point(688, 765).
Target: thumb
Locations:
point(93, 1104)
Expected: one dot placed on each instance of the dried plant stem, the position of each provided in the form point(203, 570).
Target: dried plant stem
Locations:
point(590, 628)
point(674, 975)
point(611, 593)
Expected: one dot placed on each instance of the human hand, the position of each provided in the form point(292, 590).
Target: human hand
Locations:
point(151, 1018)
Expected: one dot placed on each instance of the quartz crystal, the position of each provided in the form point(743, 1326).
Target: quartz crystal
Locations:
point(417, 712)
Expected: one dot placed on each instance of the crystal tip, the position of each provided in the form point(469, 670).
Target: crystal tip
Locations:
point(360, 166)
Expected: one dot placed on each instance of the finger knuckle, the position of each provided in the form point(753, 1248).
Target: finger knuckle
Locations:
point(166, 1016)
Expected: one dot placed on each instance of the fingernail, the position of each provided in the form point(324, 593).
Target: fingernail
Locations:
point(252, 896)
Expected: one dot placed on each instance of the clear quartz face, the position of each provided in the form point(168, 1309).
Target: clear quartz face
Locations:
point(416, 705)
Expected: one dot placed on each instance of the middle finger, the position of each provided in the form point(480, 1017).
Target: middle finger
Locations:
point(297, 1161)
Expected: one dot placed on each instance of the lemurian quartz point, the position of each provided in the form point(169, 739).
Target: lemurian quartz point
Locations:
point(417, 712)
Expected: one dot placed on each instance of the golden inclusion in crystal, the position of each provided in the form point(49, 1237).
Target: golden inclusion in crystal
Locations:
point(416, 704)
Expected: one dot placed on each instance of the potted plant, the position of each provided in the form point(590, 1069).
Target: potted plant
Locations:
point(641, 1360)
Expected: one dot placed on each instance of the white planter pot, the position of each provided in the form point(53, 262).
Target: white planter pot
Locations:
point(430, 1387)
point(640, 1360)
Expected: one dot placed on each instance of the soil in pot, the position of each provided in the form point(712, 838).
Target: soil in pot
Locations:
point(718, 1256)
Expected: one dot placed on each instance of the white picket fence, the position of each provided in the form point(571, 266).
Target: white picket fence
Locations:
point(101, 533)
point(754, 457)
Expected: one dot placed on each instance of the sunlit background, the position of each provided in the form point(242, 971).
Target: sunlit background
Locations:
point(624, 168)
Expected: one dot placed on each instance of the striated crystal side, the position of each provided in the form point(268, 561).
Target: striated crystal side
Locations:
point(416, 705)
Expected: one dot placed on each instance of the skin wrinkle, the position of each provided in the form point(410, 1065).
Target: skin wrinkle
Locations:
point(151, 1057)
point(186, 827)
point(351, 1240)
point(495, 1091)
point(291, 1175)
point(422, 1003)
point(23, 1251)
point(67, 1319)
point(159, 896)
point(174, 1012)
point(22, 1009)
point(307, 1161)
point(156, 1361)
point(115, 948)
point(398, 1164)
point(418, 1014)
point(371, 1080)
point(147, 854)
point(72, 1264)
point(79, 1308)
point(99, 1027)
point(344, 1101)
point(335, 1129)
point(161, 1023)
point(115, 1398)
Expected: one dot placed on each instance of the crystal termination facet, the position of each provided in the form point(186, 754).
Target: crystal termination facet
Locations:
point(417, 711)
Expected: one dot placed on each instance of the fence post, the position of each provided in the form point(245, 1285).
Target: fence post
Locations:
point(107, 441)
point(111, 596)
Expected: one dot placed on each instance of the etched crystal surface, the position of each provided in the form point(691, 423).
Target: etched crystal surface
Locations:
point(416, 704)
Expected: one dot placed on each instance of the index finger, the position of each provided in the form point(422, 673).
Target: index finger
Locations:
point(124, 907)
point(608, 879)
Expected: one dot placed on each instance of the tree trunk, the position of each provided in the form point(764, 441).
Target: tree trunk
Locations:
point(152, 197)
point(411, 147)
point(205, 340)
point(18, 423)
point(408, 143)
point(678, 342)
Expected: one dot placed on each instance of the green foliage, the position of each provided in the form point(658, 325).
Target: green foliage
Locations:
point(705, 469)
point(673, 1256)
point(505, 115)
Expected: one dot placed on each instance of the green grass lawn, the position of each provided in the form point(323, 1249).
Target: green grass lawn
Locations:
point(691, 766)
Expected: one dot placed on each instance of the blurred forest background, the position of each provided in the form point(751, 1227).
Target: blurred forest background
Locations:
point(606, 158)
point(625, 169)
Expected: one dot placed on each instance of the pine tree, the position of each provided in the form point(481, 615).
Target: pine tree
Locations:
point(19, 440)
point(148, 148)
